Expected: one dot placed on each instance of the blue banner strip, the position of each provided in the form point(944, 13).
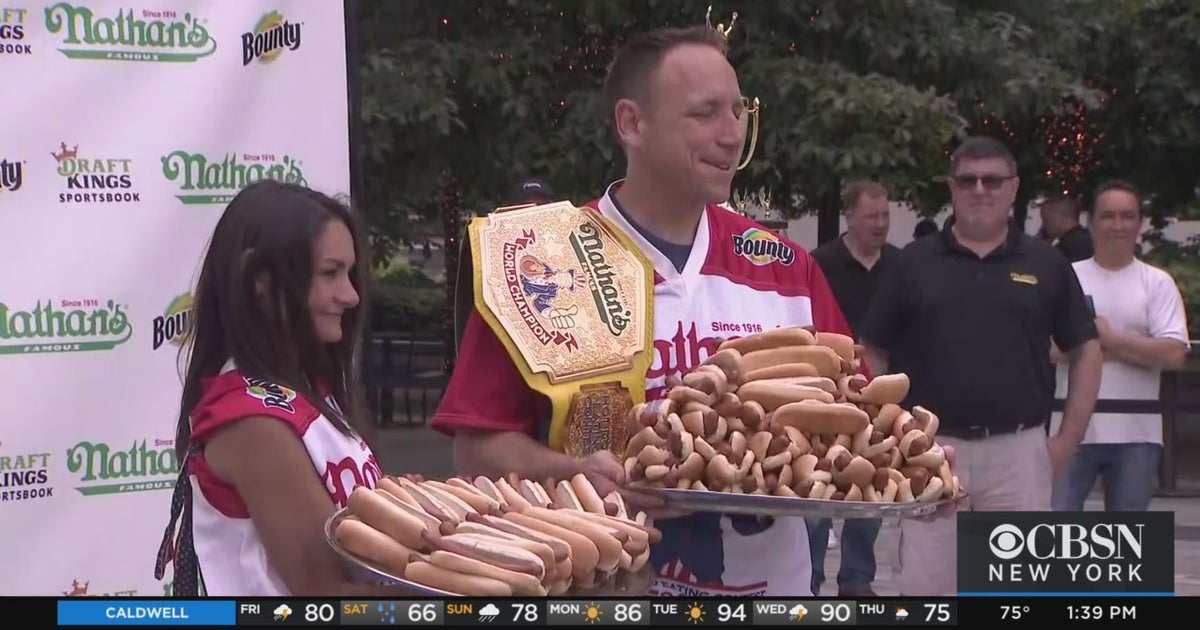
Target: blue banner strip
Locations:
point(126, 612)
point(1075, 594)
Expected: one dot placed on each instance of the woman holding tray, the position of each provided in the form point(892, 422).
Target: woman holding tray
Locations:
point(267, 431)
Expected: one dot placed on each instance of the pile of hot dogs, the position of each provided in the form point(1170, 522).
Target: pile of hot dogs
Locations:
point(508, 537)
point(787, 413)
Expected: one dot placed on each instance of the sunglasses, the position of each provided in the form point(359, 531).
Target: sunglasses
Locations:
point(990, 182)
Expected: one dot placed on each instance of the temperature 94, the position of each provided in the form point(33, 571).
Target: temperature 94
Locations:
point(727, 613)
point(1013, 612)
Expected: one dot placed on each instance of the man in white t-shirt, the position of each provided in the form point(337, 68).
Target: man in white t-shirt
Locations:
point(1143, 330)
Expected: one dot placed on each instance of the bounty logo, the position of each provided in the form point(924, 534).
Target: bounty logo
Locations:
point(146, 35)
point(94, 180)
point(270, 394)
point(173, 325)
point(205, 181)
point(269, 38)
point(102, 470)
point(24, 476)
point(12, 32)
point(12, 175)
point(762, 248)
point(64, 326)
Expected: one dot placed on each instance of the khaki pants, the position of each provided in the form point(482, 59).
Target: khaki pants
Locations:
point(1010, 472)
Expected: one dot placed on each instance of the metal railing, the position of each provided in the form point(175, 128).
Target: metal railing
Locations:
point(405, 364)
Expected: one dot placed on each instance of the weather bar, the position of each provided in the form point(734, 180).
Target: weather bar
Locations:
point(675, 612)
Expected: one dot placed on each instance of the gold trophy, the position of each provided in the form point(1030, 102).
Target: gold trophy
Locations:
point(750, 107)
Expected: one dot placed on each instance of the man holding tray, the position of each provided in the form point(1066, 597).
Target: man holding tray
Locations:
point(675, 104)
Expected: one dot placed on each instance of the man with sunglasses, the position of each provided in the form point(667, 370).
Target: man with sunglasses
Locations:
point(973, 312)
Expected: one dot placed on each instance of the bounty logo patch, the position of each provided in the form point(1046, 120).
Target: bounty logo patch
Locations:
point(762, 248)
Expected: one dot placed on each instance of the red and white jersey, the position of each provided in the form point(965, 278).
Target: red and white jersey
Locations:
point(740, 279)
point(233, 561)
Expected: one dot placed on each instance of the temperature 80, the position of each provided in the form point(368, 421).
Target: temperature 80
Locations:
point(1013, 612)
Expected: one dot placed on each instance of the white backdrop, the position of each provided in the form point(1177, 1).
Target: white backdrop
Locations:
point(126, 128)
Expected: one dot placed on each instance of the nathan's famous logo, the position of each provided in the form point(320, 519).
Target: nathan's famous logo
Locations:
point(130, 35)
point(105, 470)
point(173, 325)
point(64, 326)
point(269, 38)
point(534, 286)
point(12, 32)
point(12, 175)
point(271, 395)
point(215, 181)
point(589, 249)
point(24, 476)
point(79, 588)
point(762, 248)
point(94, 180)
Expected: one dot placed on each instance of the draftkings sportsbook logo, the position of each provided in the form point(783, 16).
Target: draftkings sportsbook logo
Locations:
point(94, 180)
point(12, 32)
point(204, 180)
point(12, 176)
point(1066, 552)
point(64, 326)
point(762, 248)
point(130, 35)
point(270, 37)
point(23, 476)
point(102, 469)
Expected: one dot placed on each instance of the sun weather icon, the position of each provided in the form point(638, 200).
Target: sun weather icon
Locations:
point(695, 613)
point(592, 613)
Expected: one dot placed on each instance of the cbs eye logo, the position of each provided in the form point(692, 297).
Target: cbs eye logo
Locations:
point(1006, 541)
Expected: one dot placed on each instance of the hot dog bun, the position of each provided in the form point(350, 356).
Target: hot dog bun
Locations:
point(542, 551)
point(394, 489)
point(473, 496)
point(372, 545)
point(778, 337)
point(560, 548)
point(886, 388)
point(586, 492)
point(773, 394)
point(522, 584)
point(815, 417)
point(380, 513)
point(841, 344)
point(608, 546)
point(493, 552)
point(827, 362)
point(454, 582)
point(585, 556)
point(785, 370)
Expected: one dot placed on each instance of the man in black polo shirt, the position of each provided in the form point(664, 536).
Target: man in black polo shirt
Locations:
point(853, 264)
point(974, 310)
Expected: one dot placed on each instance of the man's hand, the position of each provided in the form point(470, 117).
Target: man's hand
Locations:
point(1105, 329)
point(1061, 449)
point(604, 471)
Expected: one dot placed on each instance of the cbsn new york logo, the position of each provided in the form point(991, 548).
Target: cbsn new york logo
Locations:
point(1067, 552)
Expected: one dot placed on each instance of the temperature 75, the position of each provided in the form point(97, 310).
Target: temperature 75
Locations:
point(1013, 612)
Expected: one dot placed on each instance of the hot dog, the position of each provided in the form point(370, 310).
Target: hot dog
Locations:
point(585, 556)
point(586, 492)
point(784, 370)
point(871, 442)
point(431, 522)
point(454, 582)
point(841, 344)
point(492, 551)
point(375, 510)
point(926, 420)
point(931, 459)
point(827, 362)
point(542, 551)
point(608, 545)
point(814, 417)
point(512, 498)
point(778, 337)
point(886, 388)
point(372, 545)
point(470, 494)
point(431, 503)
point(773, 394)
point(729, 361)
point(448, 498)
point(559, 547)
point(391, 487)
point(520, 583)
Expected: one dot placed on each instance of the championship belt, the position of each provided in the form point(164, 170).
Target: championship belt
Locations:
point(571, 297)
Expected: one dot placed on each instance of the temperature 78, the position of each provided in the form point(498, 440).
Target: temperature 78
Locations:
point(1013, 612)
